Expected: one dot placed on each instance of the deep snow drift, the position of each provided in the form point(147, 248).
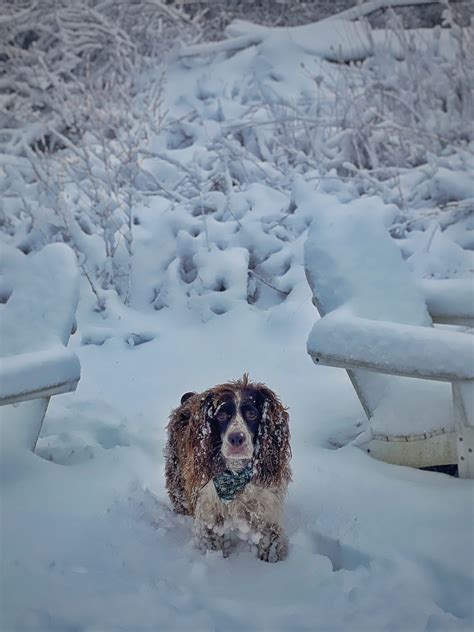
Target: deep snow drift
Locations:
point(89, 541)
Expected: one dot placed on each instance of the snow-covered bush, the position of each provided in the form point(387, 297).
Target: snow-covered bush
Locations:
point(411, 99)
point(77, 108)
point(407, 103)
point(84, 194)
point(59, 55)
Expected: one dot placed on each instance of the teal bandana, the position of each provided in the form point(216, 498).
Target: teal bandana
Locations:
point(229, 484)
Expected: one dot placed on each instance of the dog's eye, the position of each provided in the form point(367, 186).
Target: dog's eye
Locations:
point(222, 416)
point(251, 414)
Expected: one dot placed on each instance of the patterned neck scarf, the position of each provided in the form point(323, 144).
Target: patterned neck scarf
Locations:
point(229, 484)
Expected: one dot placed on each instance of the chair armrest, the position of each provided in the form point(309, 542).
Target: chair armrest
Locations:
point(38, 374)
point(342, 340)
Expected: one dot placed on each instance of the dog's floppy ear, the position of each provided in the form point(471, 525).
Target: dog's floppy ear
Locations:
point(186, 396)
point(184, 411)
point(204, 462)
point(174, 452)
point(273, 452)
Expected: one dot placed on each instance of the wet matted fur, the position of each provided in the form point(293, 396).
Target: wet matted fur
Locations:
point(194, 458)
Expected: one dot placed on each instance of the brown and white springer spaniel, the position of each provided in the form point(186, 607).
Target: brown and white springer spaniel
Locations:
point(227, 465)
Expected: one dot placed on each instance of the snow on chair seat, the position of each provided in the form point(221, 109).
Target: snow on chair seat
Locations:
point(375, 323)
point(449, 301)
point(35, 326)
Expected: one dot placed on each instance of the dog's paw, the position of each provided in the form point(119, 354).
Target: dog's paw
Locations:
point(210, 540)
point(273, 546)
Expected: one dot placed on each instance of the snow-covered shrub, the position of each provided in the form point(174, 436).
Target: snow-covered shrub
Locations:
point(49, 50)
point(409, 98)
point(78, 106)
point(409, 104)
point(85, 193)
point(58, 55)
point(412, 98)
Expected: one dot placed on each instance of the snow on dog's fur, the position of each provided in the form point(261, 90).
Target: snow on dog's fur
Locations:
point(227, 465)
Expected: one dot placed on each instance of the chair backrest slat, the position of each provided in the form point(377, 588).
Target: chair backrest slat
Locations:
point(350, 259)
point(40, 311)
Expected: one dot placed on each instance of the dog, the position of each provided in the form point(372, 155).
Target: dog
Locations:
point(227, 465)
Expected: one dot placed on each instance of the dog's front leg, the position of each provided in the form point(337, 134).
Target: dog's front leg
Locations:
point(212, 539)
point(273, 545)
point(209, 521)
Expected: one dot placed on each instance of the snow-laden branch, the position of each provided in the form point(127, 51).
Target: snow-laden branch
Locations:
point(19, 15)
point(230, 45)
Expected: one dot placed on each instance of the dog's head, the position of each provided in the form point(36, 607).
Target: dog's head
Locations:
point(234, 424)
point(234, 417)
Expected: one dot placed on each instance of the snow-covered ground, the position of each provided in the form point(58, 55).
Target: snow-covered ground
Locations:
point(89, 542)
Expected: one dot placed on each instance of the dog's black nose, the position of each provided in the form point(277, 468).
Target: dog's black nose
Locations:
point(236, 439)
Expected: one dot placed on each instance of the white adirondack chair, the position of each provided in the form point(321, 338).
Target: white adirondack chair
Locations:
point(35, 325)
point(415, 382)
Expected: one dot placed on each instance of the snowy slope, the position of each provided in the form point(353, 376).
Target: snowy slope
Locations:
point(89, 541)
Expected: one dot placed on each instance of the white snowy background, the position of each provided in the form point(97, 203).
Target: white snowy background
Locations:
point(175, 184)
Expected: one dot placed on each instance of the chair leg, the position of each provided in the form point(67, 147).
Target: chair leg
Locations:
point(36, 427)
point(20, 424)
point(465, 431)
